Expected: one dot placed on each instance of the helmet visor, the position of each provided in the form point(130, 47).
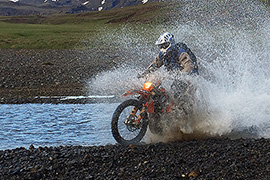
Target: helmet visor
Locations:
point(164, 45)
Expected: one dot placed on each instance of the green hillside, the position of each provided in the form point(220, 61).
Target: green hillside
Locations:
point(68, 31)
point(73, 30)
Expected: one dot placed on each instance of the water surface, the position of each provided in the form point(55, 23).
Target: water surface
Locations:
point(55, 124)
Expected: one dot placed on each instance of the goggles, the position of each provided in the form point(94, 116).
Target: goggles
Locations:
point(164, 45)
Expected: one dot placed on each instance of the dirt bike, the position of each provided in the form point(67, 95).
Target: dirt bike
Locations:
point(132, 117)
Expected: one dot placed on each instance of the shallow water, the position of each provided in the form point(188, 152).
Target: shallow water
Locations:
point(55, 124)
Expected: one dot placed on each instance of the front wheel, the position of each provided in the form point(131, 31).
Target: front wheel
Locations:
point(125, 127)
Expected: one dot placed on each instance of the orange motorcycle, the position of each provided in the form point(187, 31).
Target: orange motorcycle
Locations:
point(132, 117)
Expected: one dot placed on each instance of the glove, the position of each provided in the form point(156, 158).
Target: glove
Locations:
point(141, 75)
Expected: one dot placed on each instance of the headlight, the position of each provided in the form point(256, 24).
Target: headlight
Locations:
point(148, 86)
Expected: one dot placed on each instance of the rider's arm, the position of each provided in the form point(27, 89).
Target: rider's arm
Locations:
point(157, 63)
point(186, 62)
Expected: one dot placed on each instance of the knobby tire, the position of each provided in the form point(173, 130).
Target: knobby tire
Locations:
point(115, 121)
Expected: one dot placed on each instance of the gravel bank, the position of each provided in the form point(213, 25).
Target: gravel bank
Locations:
point(26, 74)
point(208, 159)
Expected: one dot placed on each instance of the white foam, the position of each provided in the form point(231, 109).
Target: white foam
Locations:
point(75, 97)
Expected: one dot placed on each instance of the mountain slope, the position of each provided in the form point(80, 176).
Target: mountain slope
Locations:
point(47, 7)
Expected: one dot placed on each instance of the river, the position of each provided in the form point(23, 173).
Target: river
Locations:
point(55, 124)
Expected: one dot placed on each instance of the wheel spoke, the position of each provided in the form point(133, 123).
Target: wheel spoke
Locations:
point(127, 130)
point(127, 124)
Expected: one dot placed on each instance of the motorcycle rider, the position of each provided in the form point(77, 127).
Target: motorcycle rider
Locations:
point(173, 56)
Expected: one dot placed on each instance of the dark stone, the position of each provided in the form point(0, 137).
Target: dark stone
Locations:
point(217, 158)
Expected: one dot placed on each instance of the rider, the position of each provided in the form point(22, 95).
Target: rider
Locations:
point(173, 56)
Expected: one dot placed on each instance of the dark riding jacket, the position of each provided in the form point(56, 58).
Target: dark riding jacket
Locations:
point(174, 59)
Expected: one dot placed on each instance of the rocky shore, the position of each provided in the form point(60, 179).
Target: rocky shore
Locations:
point(25, 75)
point(205, 159)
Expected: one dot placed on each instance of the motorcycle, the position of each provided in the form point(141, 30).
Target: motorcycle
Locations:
point(132, 117)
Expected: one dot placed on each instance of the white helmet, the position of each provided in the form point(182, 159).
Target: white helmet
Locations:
point(165, 42)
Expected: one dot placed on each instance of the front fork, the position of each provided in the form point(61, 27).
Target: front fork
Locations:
point(134, 120)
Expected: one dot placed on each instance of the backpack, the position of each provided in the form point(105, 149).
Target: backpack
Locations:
point(190, 53)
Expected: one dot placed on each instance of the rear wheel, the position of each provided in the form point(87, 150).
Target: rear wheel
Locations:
point(125, 129)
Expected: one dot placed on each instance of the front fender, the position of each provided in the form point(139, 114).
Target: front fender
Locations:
point(128, 93)
point(143, 93)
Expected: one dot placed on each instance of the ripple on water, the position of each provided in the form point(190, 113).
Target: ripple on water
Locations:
point(52, 125)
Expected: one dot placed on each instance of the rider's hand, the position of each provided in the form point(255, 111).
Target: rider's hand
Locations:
point(140, 76)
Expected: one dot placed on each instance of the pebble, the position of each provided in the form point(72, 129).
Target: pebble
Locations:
point(174, 160)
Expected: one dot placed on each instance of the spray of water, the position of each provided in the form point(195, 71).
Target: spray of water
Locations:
point(231, 42)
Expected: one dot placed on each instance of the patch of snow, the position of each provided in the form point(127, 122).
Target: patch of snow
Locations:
point(103, 1)
point(144, 1)
point(100, 8)
point(85, 3)
point(14, 0)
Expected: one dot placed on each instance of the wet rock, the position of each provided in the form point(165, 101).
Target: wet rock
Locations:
point(218, 158)
point(132, 146)
point(32, 147)
point(194, 174)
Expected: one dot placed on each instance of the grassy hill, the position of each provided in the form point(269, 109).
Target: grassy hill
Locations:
point(67, 31)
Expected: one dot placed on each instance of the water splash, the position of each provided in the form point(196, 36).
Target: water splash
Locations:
point(231, 42)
